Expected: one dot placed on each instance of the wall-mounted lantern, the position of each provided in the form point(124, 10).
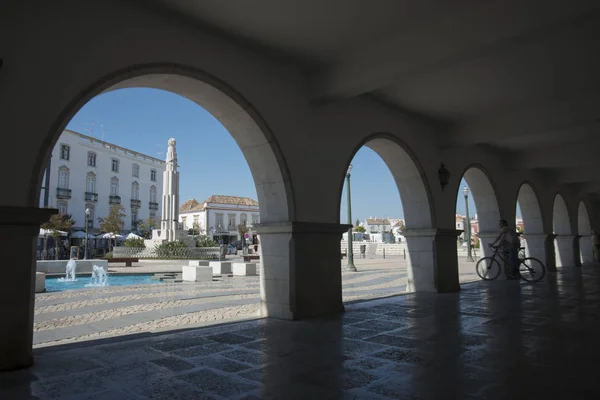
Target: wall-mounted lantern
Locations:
point(444, 176)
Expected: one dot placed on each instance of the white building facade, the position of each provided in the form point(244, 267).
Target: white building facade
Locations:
point(88, 173)
point(219, 216)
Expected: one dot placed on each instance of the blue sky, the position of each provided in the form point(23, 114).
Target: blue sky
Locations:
point(210, 160)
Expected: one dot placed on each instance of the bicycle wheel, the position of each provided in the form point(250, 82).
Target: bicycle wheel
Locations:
point(532, 270)
point(488, 268)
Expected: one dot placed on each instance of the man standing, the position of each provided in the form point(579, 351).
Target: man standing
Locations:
point(508, 243)
point(596, 245)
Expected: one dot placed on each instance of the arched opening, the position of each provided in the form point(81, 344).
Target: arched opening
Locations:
point(389, 239)
point(584, 229)
point(136, 180)
point(530, 225)
point(563, 244)
point(477, 198)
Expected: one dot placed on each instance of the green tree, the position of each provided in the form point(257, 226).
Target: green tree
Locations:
point(174, 249)
point(357, 223)
point(359, 228)
point(134, 242)
point(58, 223)
point(206, 241)
point(113, 222)
point(145, 227)
point(196, 230)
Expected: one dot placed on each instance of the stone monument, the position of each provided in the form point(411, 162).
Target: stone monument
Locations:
point(169, 225)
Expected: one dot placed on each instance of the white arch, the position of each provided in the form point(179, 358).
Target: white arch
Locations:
point(257, 143)
point(584, 229)
point(530, 209)
point(413, 192)
point(560, 217)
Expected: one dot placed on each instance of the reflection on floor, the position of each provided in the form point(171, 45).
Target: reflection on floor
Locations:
point(493, 340)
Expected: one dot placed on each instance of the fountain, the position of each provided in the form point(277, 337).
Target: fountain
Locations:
point(99, 277)
point(70, 272)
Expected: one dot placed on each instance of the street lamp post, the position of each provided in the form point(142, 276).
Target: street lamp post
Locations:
point(350, 267)
point(467, 224)
point(87, 223)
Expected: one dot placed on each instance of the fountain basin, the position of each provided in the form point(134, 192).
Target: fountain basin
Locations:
point(59, 266)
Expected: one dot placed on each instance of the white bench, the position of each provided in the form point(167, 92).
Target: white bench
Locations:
point(221, 267)
point(244, 269)
point(190, 273)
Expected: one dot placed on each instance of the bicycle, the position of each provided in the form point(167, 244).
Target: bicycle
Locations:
point(530, 269)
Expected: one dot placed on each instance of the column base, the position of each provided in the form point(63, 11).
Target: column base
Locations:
point(300, 269)
point(565, 250)
point(432, 263)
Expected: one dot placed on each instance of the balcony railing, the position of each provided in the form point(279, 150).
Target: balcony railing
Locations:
point(153, 206)
point(89, 196)
point(63, 193)
point(136, 203)
point(114, 200)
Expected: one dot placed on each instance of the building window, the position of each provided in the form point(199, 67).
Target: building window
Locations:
point(219, 222)
point(90, 183)
point(184, 222)
point(196, 222)
point(135, 191)
point(91, 159)
point(62, 207)
point(255, 218)
point(114, 187)
point(231, 222)
point(65, 152)
point(135, 170)
point(90, 218)
point(134, 219)
point(63, 178)
point(114, 165)
point(243, 219)
point(153, 194)
point(153, 175)
point(153, 215)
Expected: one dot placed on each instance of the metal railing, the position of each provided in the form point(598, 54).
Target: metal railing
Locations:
point(153, 206)
point(136, 203)
point(63, 193)
point(89, 196)
point(114, 200)
point(191, 253)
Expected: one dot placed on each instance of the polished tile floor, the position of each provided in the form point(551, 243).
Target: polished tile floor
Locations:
point(493, 340)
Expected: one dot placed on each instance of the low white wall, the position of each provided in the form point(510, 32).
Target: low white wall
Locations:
point(60, 266)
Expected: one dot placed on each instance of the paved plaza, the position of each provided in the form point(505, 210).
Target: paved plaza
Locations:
point(85, 314)
point(492, 340)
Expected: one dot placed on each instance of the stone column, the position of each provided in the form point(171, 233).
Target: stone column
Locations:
point(535, 246)
point(577, 250)
point(586, 249)
point(432, 260)
point(485, 239)
point(565, 251)
point(19, 228)
point(300, 269)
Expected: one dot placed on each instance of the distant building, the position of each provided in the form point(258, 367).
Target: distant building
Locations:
point(88, 173)
point(219, 216)
point(379, 230)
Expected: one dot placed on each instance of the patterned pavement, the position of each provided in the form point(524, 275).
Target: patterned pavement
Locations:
point(492, 340)
point(85, 314)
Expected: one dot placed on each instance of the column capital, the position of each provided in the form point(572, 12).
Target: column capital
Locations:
point(301, 227)
point(25, 216)
point(539, 236)
point(431, 232)
point(565, 237)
